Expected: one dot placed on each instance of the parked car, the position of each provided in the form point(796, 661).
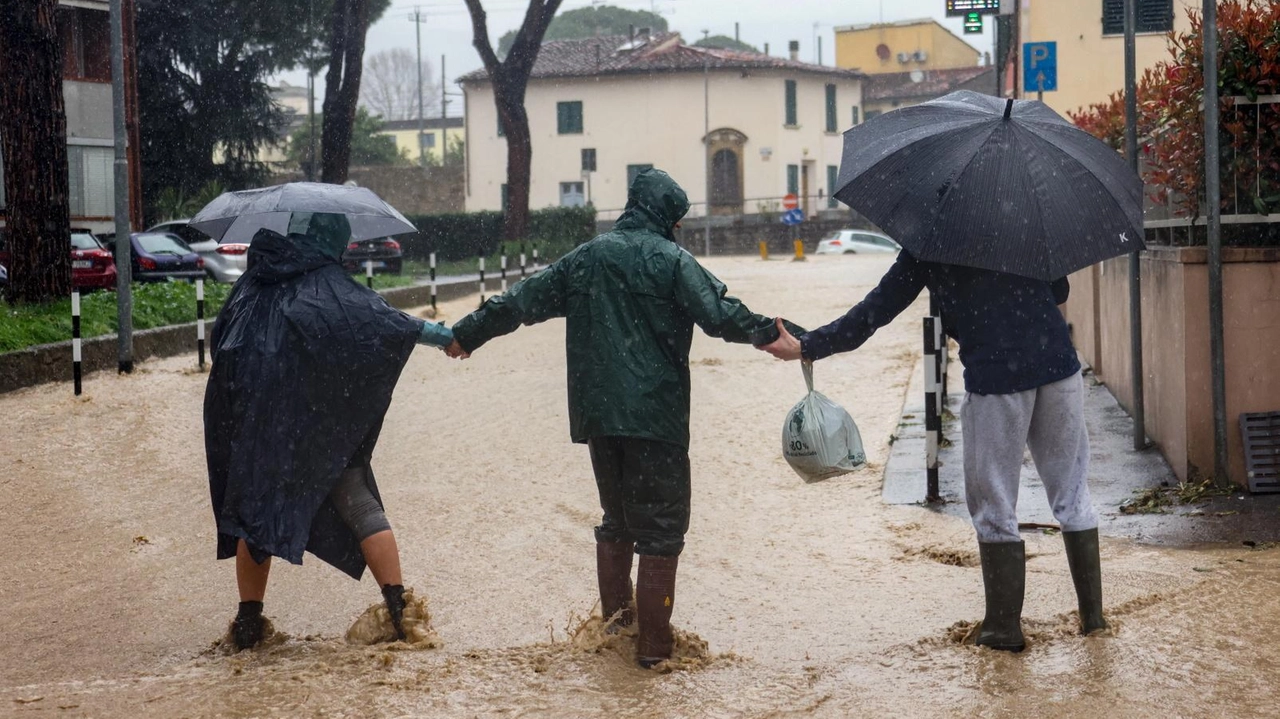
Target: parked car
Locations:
point(4, 276)
point(92, 267)
point(384, 253)
point(848, 242)
point(224, 261)
point(162, 256)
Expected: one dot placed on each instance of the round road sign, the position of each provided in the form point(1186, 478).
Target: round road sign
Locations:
point(790, 202)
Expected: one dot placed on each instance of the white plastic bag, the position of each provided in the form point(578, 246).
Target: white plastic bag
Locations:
point(819, 438)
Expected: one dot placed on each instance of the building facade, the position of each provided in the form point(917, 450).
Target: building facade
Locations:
point(894, 47)
point(437, 134)
point(1090, 43)
point(889, 91)
point(603, 109)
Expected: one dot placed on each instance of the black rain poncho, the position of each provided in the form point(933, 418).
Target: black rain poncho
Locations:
point(304, 364)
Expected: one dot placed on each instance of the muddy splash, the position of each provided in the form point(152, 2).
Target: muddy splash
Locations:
point(374, 625)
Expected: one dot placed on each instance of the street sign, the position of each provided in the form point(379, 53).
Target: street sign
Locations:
point(973, 24)
point(793, 217)
point(790, 202)
point(961, 8)
point(1039, 66)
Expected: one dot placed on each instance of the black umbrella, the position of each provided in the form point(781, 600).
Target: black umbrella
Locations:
point(1005, 185)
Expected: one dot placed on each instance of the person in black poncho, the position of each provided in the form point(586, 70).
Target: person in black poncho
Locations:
point(304, 363)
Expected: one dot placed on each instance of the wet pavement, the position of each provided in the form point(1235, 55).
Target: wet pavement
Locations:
point(813, 600)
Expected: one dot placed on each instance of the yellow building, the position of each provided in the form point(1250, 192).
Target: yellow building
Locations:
point(902, 47)
point(1090, 43)
point(434, 136)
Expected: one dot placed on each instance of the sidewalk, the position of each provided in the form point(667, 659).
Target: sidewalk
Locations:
point(1117, 474)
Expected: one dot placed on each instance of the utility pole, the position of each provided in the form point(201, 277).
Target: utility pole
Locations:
point(422, 126)
point(1213, 200)
point(124, 247)
point(706, 140)
point(311, 90)
point(1135, 258)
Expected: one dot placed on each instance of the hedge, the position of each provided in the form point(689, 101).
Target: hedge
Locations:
point(459, 236)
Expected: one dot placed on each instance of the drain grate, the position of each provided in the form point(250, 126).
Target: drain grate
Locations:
point(1261, 434)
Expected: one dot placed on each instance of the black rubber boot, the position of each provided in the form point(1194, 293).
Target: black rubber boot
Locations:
point(248, 627)
point(393, 595)
point(655, 597)
point(1086, 573)
point(613, 570)
point(1004, 577)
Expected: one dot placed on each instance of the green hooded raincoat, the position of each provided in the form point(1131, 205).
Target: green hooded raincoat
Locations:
point(631, 297)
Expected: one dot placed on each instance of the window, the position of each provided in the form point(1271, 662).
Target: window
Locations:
point(569, 118)
point(833, 176)
point(86, 44)
point(856, 113)
point(633, 170)
point(571, 194)
point(791, 104)
point(90, 174)
point(873, 113)
point(502, 131)
point(1153, 16)
point(588, 160)
point(793, 179)
point(831, 108)
point(428, 139)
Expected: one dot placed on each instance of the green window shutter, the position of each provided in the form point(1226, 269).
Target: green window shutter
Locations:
point(833, 176)
point(856, 113)
point(831, 108)
point(502, 132)
point(569, 118)
point(791, 103)
point(793, 179)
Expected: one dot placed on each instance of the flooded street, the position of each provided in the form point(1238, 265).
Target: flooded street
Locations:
point(814, 600)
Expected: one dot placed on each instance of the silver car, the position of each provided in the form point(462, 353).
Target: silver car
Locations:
point(848, 242)
point(224, 261)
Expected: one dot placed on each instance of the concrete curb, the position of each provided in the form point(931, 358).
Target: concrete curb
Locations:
point(52, 362)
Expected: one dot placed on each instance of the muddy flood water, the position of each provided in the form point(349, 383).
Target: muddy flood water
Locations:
point(794, 599)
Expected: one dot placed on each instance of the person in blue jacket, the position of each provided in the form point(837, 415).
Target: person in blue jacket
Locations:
point(1023, 389)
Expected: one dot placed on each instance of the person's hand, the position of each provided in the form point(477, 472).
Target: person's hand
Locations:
point(786, 347)
point(455, 351)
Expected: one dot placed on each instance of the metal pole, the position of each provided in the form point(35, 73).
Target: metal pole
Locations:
point(422, 127)
point(504, 269)
point(200, 320)
point(433, 284)
point(706, 140)
point(1213, 198)
point(522, 266)
point(75, 340)
point(481, 279)
point(124, 247)
point(368, 273)
point(311, 92)
point(1138, 374)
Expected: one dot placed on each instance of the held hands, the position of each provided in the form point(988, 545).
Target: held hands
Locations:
point(455, 351)
point(786, 347)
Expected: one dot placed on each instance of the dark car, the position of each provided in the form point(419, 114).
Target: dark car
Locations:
point(92, 267)
point(384, 253)
point(161, 256)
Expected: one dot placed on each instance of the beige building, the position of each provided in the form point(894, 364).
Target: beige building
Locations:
point(436, 133)
point(889, 91)
point(903, 46)
point(601, 110)
point(1090, 43)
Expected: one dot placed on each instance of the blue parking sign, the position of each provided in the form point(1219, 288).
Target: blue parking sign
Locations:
point(1039, 66)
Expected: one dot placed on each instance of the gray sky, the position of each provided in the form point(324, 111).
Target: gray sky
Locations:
point(447, 28)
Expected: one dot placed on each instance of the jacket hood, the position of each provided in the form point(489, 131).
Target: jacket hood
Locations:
point(274, 257)
point(655, 202)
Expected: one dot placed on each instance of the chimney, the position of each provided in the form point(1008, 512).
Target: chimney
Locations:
point(986, 59)
point(631, 34)
point(766, 48)
point(794, 48)
point(735, 33)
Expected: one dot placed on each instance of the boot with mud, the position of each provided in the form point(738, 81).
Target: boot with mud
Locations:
point(1086, 572)
point(655, 596)
point(1004, 578)
point(613, 569)
point(393, 595)
point(249, 627)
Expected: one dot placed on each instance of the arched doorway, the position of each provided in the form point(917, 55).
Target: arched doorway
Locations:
point(724, 166)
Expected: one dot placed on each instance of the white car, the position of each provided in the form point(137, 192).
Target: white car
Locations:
point(847, 242)
point(224, 261)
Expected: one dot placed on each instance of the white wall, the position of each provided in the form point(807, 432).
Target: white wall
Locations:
point(658, 119)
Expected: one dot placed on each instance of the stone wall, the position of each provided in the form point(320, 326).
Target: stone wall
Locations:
point(411, 190)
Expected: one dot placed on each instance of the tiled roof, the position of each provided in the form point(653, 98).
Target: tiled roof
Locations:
point(662, 52)
point(935, 83)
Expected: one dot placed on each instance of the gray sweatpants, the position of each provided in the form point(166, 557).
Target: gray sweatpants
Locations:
point(997, 428)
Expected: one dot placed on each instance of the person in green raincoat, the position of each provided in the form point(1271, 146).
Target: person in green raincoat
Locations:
point(631, 297)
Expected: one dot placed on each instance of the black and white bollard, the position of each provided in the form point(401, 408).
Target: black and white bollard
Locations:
point(503, 261)
point(522, 258)
point(482, 279)
point(535, 257)
point(75, 340)
point(432, 261)
point(932, 411)
point(200, 319)
point(368, 273)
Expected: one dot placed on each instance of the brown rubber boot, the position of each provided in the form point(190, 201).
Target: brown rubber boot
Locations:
point(613, 570)
point(655, 596)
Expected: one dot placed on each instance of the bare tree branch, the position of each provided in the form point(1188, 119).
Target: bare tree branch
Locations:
point(390, 85)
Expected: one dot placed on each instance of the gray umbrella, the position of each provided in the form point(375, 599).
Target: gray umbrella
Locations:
point(237, 216)
point(1005, 185)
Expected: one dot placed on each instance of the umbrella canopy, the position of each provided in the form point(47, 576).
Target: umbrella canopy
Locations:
point(237, 216)
point(1004, 185)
